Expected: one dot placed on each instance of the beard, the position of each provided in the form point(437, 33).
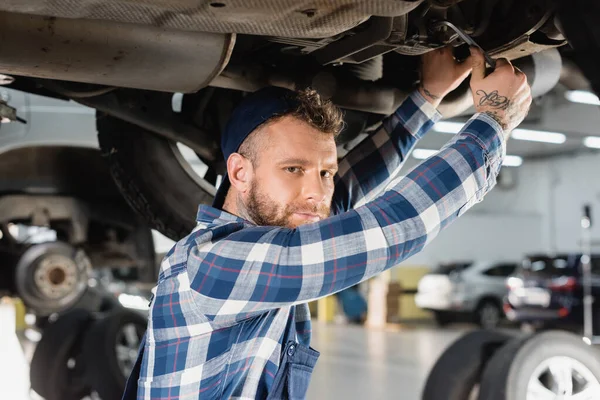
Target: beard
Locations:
point(264, 211)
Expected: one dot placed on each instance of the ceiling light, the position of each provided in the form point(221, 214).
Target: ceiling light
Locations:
point(509, 161)
point(519, 134)
point(538, 136)
point(512, 161)
point(448, 127)
point(592, 142)
point(421, 154)
point(582, 96)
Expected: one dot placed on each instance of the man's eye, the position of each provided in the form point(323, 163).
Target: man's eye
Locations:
point(293, 170)
point(326, 174)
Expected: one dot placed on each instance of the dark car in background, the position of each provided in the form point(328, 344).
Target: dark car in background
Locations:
point(547, 292)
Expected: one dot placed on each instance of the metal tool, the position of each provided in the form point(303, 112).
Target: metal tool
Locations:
point(467, 39)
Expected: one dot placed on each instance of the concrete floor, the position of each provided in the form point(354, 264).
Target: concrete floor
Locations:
point(355, 363)
point(358, 363)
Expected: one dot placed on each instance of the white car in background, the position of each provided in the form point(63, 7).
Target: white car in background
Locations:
point(471, 291)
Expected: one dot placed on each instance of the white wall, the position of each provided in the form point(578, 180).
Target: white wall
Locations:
point(541, 211)
point(573, 182)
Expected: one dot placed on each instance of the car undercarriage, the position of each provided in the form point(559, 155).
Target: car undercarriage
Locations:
point(161, 73)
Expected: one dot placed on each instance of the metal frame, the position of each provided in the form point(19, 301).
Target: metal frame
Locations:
point(589, 335)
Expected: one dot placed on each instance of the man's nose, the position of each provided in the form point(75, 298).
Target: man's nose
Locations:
point(314, 188)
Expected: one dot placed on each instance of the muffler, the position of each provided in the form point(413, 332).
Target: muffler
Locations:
point(111, 53)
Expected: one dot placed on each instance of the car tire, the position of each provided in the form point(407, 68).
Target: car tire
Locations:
point(105, 373)
point(148, 174)
point(488, 315)
point(52, 374)
point(442, 318)
point(510, 372)
point(457, 371)
point(579, 22)
point(93, 300)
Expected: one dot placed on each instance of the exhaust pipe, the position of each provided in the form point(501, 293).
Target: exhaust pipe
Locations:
point(111, 53)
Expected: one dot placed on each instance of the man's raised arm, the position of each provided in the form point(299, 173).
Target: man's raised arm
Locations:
point(365, 171)
point(260, 268)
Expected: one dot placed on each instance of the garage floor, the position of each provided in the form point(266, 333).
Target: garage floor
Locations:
point(355, 363)
point(358, 363)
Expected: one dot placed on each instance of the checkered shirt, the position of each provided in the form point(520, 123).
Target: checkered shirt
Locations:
point(229, 292)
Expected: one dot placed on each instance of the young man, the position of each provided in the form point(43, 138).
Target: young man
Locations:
point(229, 318)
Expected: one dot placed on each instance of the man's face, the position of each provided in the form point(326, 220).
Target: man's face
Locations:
point(292, 182)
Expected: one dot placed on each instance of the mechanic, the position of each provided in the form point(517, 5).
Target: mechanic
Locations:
point(229, 318)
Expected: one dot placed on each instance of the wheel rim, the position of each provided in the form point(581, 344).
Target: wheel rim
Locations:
point(51, 281)
point(56, 276)
point(562, 378)
point(127, 345)
point(489, 316)
point(195, 168)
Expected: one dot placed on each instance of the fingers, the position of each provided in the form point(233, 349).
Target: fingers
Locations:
point(464, 69)
point(504, 63)
point(477, 64)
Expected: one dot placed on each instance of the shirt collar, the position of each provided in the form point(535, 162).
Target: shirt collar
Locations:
point(210, 215)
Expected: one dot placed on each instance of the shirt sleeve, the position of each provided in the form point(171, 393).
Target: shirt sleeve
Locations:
point(364, 171)
point(260, 268)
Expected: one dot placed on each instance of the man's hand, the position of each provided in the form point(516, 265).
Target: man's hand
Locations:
point(441, 74)
point(504, 94)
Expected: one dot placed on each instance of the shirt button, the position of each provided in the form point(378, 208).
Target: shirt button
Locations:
point(291, 350)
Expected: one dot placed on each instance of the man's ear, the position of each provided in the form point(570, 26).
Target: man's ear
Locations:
point(239, 172)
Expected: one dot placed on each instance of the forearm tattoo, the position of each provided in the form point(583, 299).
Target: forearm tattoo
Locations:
point(493, 100)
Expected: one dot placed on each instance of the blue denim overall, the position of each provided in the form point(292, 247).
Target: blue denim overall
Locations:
point(290, 383)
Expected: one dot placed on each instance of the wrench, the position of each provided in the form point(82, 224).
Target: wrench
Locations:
point(467, 39)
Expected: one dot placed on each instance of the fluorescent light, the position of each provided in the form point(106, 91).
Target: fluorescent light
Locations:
point(134, 302)
point(509, 161)
point(519, 134)
point(583, 97)
point(448, 127)
point(512, 161)
point(592, 142)
point(421, 154)
point(538, 136)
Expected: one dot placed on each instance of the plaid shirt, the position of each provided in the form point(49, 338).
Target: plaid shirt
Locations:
point(228, 293)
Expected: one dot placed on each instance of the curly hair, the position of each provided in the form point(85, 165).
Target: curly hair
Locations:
point(320, 114)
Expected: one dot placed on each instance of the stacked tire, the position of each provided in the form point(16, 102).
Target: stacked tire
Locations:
point(485, 365)
point(81, 352)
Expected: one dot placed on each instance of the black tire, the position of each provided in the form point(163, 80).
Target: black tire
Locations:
point(50, 374)
point(484, 312)
point(459, 368)
point(507, 374)
point(149, 176)
point(442, 318)
point(580, 23)
point(103, 372)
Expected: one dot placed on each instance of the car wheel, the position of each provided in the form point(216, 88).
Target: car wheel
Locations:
point(579, 22)
point(56, 368)
point(549, 365)
point(52, 277)
point(488, 315)
point(442, 318)
point(110, 350)
point(456, 373)
point(153, 176)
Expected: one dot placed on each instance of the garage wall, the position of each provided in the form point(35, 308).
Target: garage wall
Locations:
point(536, 207)
point(572, 182)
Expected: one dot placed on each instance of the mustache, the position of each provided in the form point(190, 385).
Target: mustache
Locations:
point(322, 210)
